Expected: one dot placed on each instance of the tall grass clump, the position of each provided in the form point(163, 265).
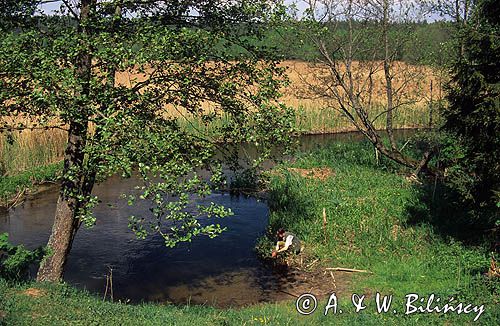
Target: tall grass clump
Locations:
point(313, 118)
point(22, 151)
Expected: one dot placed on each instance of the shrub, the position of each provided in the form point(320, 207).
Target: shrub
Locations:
point(16, 260)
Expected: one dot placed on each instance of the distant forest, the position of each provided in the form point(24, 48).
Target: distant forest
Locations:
point(416, 43)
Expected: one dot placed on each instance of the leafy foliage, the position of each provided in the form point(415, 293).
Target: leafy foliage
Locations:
point(14, 13)
point(124, 78)
point(15, 260)
point(473, 118)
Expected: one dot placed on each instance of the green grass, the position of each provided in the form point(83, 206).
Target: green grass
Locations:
point(377, 220)
point(64, 305)
point(11, 185)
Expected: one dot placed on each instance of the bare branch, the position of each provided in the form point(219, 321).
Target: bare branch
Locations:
point(23, 128)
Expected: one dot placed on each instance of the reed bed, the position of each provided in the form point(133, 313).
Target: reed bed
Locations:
point(317, 110)
point(30, 148)
point(21, 151)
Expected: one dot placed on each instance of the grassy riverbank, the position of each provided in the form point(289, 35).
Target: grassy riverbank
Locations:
point(13, 186)
point(377, 219)
point(406, 233)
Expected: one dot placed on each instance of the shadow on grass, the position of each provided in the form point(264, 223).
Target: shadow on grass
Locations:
point(440, 207)
point(289, 204)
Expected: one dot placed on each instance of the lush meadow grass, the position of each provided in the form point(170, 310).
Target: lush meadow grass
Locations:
point(63, 305)
point(376, 220)
point(381, 221)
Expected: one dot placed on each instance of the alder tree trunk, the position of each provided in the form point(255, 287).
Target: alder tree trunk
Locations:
point(74, 182)
point(65, 222)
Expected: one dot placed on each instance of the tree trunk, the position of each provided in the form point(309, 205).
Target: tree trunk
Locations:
point(348, 92)
point(74, 181)
point(388, 76)
point(60, 241)
point(65, 224)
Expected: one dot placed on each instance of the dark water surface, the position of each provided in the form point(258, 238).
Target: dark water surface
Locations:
point(223, 271)
point(146, 269)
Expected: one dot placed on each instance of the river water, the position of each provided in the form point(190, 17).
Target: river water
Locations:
point(223, 272)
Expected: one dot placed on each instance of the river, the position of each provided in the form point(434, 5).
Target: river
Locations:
point(223, 272)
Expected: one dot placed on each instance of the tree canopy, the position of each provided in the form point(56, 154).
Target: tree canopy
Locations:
point(126, 79)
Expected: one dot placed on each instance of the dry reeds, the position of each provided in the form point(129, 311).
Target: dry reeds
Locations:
point(20, 151)
point(310, 94)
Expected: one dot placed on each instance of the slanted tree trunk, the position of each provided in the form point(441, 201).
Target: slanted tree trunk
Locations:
point(74, 183)
point(65, 223)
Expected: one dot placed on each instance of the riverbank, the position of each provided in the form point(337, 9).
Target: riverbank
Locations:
point(14, 188)
point(16, 185)
point(376, 220)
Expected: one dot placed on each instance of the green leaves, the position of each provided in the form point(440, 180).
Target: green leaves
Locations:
point(15, 260)
point(152, 92)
